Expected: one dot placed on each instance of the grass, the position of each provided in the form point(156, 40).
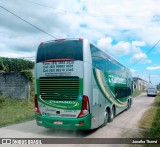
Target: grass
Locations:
point(151, 120)
point(136, 93)
point(15, 111)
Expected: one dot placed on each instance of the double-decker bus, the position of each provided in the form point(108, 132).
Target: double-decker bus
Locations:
point(78, 86)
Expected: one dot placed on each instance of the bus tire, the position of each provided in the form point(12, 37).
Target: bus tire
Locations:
point(106, 118)
point(111, 114)
point(128, 104)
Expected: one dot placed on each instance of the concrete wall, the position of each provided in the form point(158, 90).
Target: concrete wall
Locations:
point(14, 85)
point(140, 85)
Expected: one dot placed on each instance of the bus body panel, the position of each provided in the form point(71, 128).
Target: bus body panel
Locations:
point(65, 123)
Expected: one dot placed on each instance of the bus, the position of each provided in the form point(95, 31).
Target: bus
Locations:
point(78, 86)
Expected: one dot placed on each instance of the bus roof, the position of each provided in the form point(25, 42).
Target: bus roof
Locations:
point(62, 39)
point(81, 39)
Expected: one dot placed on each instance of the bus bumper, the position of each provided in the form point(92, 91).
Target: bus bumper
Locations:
point(83, 123)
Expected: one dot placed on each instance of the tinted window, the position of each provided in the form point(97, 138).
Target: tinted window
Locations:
point(71, 49)
point(104, 62)
point(122, 92)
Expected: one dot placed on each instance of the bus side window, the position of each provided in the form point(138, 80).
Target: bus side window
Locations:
point(121, 92)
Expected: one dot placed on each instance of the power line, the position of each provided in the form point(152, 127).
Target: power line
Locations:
point(43, 5)
point(153, 47)
point(146, 53)
point(91, 14)
point(27, 22)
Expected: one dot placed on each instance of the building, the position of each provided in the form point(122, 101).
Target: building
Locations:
point(139, 84)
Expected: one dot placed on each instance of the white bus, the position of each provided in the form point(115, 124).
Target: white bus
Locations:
point(78, 86)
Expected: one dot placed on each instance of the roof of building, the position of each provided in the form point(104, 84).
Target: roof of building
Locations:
point(137, 78)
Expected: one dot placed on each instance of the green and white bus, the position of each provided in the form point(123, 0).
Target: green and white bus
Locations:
point(78, 86)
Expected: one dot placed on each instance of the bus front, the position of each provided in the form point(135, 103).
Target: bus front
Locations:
point(59, 78)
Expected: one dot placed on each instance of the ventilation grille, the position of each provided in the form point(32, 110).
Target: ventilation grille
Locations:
point(59, 88)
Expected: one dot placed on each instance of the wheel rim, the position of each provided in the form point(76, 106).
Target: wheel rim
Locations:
point(128, 104)
point(113, 113)
point(106, 118)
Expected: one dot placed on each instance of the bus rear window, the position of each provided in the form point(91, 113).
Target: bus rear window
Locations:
point(68, 49)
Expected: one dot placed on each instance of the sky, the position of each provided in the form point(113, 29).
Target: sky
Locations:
point(127, 30)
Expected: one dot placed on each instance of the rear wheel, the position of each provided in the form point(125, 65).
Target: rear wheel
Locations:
point(106, 118)
point(112, 114)
point(128, 104)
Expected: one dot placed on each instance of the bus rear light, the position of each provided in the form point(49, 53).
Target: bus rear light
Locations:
point(36, 105)
point(80, 123)
point(81, 39)
point(39, 121)
point(41, 43)
point(85, 107)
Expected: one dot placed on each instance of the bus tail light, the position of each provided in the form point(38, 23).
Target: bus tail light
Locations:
point(81, 39)
point(36, 105)
point(41, 43)
point(85, 107)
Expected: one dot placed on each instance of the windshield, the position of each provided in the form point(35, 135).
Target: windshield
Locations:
point(68, 49)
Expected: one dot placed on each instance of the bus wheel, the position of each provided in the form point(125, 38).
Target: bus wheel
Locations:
point(106, 118)
point(128, 104)
point(111, 114)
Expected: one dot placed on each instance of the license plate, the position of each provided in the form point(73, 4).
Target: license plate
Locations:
point(58, 122)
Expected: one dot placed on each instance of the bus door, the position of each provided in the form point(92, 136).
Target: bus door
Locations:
point(95, 107)
point(98, 104)
point(101, 108)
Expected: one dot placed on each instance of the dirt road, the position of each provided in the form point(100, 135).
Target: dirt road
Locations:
point(124, 125)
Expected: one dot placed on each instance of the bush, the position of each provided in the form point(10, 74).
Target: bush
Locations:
point(14, 64)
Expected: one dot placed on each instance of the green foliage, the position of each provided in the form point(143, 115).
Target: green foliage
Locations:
point(28, 75)
point(1, 64)
point(158, 86)
point(151, 120)
point(13, 110)
point(14, 64)
point(136, 93)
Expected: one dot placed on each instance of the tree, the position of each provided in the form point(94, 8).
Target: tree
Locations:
point(14, 64)
point(158, 86)
point(1, 64)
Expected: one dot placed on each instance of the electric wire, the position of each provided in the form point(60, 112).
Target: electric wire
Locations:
point(146, 53)
point(27, 22)
point(90, 14)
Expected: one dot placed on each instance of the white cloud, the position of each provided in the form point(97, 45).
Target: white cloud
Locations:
point(138, 43)
point(133, 70)
point(140, 57)
point(121, 48)
point(153, 68)
point(124, 48)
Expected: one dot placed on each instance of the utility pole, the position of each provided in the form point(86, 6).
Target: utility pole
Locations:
point(149, 79)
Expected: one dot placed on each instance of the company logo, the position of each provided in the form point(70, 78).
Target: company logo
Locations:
point(80, 97)
point(60, 104)
point(67, 104)
point(6, 141)
point(116, 80)
point(21, 141)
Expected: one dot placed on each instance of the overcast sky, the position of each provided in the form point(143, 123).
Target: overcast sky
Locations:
point(126, 29)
